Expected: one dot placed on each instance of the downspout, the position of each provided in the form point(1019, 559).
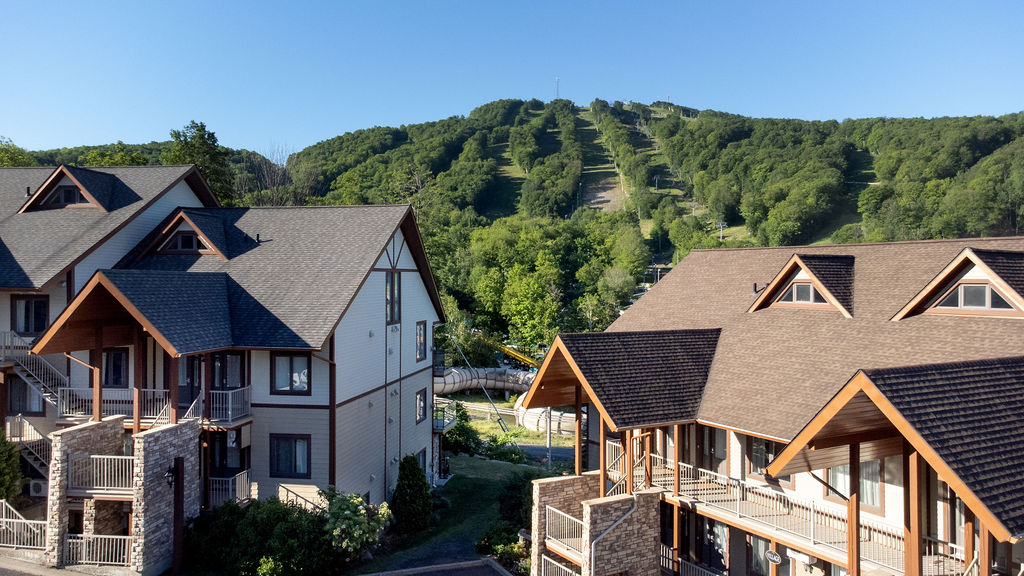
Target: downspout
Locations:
point(607, 530)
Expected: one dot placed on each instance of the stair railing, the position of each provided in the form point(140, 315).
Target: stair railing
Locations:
point(24, 434)
point(47, 377)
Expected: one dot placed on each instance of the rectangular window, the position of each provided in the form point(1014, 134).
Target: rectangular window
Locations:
point(228, 370)
point(870, 482)
point(115, 368)
point(422, 459)
point(30, 315)
point(23, 399)
point(290, 374)
point(421, 341)
point(393, 307)
point(762, 453)
point(759, 565)
point(289, 455)
point(421, 405)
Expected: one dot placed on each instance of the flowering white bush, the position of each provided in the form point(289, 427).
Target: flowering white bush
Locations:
point(353, 524)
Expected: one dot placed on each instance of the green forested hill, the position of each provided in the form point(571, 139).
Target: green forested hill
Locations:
point(541, 217)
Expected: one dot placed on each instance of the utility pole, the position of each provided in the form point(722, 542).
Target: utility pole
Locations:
point(557, 95)
point(721, 227)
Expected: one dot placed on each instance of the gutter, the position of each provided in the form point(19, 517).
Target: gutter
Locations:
point(607, 530)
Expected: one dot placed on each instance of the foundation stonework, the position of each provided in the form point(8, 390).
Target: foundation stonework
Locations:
point(153, 502)
point(103, 438)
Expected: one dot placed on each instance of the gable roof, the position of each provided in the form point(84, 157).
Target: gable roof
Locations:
point(964, 418)
point(795, 360)
point(638, 378)
point(1005, 269)
point(38, 245)
point(290, 289)
point(831, 275)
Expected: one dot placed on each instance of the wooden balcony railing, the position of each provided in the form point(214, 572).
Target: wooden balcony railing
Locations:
point(97, 549)
point(89, 473)
point(230, 405)
point(564, 533)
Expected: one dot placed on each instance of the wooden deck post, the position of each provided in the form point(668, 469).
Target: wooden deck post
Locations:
point(773, 569)
point(207, 384)
point(603, 459)
point(172, 375)
point(677, 536)
point(578, 405)
point(677, 435)
point(853, 514)
point(648, 471)
point(96, 360)
point(968, 535)
point(137, 381)
point(627, 464)
point(984, 551)
point(911, 510)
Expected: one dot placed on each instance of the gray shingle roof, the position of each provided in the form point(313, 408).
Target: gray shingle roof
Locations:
point(289, 290)
point(796, 359)
point(37, 245)
point(835, 272)
point(1008, 265)
point(970, 414)
point(191, 310)
point(645, 378)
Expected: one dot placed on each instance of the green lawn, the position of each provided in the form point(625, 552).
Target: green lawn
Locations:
point(473, 494)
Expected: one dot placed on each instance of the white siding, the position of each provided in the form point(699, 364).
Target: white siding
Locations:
point(108, 253)
point(361, 457)
point(416, 435)
point(267, 421)
point(360, 341)
point(405, 259)
point(416, 307)
point(318, 382)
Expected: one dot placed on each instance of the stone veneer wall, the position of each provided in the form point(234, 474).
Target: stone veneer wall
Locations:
point(567, 494)
point(103, 438)
point(153, 503)
point(632, 546)
point(102, 517)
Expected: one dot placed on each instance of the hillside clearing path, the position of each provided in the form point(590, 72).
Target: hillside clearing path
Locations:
point(602, 188)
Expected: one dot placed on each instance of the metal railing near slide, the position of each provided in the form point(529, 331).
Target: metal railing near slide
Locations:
point(18, 532)
point(88, 472)
point(549, 567)
point(230, 405)
point(97, 549)
point(237, 488)
point(564, 531)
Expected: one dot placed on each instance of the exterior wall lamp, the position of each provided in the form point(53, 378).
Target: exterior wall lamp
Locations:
point(169, 475)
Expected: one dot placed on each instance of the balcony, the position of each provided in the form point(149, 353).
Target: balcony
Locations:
point(752, 505)
point(91, 475)
point(97, 549)
point(564, 534)
point(77, 403)
point(227, 406)
point(549, 567)
point(238, 488)
point(444, 416)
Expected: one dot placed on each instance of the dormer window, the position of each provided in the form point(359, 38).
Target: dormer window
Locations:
point(184, 242)
point(802, 293)
point(972, 296)
point(64, 196)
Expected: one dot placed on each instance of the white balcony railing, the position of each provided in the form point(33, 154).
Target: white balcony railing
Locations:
point(107, 473)
point(549, 567)
point(237, 488)
point(689, 569)
point(17, 532)
point(444, 416)
point(116, 401)
point(46, 376)
point(941, 557)
point(564, 531)
point(97, 549)
point(230, 405)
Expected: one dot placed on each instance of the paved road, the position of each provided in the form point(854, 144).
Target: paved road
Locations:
point(540, 451)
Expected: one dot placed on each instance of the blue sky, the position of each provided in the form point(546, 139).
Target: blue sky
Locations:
point(270, 76)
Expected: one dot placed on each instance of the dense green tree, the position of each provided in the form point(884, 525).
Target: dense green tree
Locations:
point(411, 502)
point(12, 155)
point(119, 155)
point(194, 144)
point(10, 469)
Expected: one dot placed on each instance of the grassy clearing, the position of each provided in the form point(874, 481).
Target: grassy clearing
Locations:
point(472, 494)
point(491, 428)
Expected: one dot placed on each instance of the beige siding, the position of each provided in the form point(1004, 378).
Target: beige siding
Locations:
point(267, 421)
point(360, 341)
point(361, 459)
point(319, 383)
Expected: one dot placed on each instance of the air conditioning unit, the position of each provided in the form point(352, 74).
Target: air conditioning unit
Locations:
point(39, 488)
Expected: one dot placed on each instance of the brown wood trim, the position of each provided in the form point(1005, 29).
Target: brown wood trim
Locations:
point(703, 422)
point(548, 358)
point(292, 406)
point(169, 230)
point(52, 181)
point(332, 417)
point(782, 280)
point(409, 375)
point(393, 270)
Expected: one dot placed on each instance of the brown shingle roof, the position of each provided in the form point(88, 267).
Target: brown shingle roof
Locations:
point(970, 414)
point(1008, 265)
point(835, 272)
point(645, 378)
point(793, 360)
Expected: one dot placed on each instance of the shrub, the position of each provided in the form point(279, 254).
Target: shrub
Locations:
point(462, 438)
point(10, 469)
point(412, 502)
point(503, 448)
point(354, 525)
